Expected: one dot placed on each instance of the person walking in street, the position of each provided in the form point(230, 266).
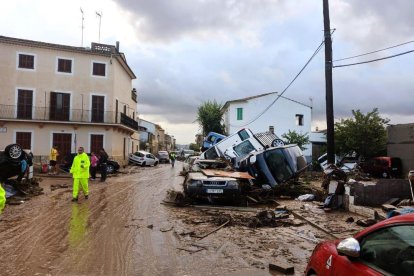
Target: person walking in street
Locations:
point(103, 158)
point(173, 157)
point(53, 160)
point(80, 173)
point(94, 165)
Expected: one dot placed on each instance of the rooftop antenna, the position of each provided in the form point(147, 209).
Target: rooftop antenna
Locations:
point(82, 26)
point(100, 17)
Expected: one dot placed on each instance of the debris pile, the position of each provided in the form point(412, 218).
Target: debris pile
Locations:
point(19, 191)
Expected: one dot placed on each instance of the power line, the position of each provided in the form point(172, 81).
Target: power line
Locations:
point(280, 95)
point(373, 60)
point(373, 52)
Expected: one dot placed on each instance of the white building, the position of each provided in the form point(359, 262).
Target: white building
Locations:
point(259, 114)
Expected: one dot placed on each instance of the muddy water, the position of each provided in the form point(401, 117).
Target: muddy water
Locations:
point(124, 230)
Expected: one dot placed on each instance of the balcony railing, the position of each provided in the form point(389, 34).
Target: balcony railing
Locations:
point(66, 115)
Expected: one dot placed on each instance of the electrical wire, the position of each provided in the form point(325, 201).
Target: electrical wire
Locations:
point(373, 52)
point(373, 60)
point(280, 95)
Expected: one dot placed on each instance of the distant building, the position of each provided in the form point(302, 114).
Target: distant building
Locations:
point(67, 96)
point(284, 115)
point(401, 144)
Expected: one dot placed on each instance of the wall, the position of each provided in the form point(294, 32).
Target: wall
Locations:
point(401, 144)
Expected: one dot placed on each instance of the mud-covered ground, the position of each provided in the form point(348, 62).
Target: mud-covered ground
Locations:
point(123, 229)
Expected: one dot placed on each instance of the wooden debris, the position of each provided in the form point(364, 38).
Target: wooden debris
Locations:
point(314, 225)
point(251, 199)
point(392, 201)
point(215, 230)
point(282, 267)
point(388, 207)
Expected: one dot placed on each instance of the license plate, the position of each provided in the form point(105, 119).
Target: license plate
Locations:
point(214, 191)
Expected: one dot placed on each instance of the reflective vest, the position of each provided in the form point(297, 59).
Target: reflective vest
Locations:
point(80, 166)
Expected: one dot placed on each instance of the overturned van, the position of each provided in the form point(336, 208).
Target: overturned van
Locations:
point(274, 165)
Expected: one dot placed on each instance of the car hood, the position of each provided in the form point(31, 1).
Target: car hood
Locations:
point(201, 176)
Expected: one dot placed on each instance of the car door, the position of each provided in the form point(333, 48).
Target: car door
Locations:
point(387, 251)
point(150, 159)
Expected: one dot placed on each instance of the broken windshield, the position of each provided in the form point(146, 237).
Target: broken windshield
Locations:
point(278, 165)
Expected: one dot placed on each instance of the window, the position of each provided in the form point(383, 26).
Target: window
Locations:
point(24, 104)
point(243, 134)
point(390, 249)
point(98, 106)
point(26, 61)
point(96, 142)
point(24, 139)
point(239, 113)
point(99, 69)
point(59, 106)
point(299, 119)
point(64, 65)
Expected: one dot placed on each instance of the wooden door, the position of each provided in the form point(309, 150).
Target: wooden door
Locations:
point(63, 141)
point(24, 104)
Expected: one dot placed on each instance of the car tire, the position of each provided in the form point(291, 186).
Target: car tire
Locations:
point(110, 168)
point(277, 143)
point(143, 164)
point(155, 164)
point(14, 151)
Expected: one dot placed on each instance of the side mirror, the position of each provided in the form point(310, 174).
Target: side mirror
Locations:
point(349, 247)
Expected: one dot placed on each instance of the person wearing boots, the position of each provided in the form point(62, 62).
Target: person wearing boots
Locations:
point(80, 173)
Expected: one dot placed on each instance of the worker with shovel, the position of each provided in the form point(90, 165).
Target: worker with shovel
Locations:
point(80, 172)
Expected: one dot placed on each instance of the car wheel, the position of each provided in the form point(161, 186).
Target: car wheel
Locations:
point(14, 151)
point(143, 164)
point(385, 175)
point(155, 164)
point(110, 168)
point(277, 143)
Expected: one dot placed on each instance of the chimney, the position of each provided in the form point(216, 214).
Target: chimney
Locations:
point(117, 46)
point(272, 129)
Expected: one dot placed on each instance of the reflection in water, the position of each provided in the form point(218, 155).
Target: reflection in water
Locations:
point(78, 224)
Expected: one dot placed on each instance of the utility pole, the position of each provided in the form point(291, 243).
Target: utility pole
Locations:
point(100, 17)
point(328, 85)
point(82, 27)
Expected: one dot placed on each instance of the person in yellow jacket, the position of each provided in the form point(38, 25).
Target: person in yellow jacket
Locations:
point(2, 198)
point(80, 173)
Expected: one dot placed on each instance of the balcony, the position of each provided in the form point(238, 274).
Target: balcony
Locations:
point(25, 113)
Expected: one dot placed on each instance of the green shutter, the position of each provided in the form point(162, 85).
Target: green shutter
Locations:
point(239, 114)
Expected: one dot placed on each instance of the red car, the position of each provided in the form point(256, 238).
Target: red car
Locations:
point(385, 248)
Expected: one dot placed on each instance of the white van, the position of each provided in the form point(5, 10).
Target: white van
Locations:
point(234, 146)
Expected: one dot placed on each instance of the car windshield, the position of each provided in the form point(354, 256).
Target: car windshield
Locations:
point(278, 165)
point(244, 148)
point(202, 165)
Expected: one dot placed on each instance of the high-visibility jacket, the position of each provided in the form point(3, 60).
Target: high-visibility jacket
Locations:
point(80, 166)
point(2, 198)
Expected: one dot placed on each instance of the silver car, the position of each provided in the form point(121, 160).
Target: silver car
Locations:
point(143, 158)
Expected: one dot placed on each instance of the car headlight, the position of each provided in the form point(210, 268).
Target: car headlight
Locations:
point(196, 183)
point(232, 184)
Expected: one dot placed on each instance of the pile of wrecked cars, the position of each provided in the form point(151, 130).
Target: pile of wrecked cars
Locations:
point(241, 163)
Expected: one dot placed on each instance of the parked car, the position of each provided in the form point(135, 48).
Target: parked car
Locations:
point(383, 167)
point(386, 248)
point(11, 161)
point(111, 165)
point(143, 158)
point(163, 156)
point(273, 166)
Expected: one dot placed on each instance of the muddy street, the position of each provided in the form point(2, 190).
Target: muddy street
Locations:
point(123, 229)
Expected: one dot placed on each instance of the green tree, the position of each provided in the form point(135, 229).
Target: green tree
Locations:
point(364, 134)
point(194, 147)
point(210, 117)
point(292, 137)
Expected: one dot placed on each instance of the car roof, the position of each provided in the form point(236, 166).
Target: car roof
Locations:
point(144, 152)
point(400, 219)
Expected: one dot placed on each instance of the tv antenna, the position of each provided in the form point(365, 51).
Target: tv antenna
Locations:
point(100, 17)
point(82, 26)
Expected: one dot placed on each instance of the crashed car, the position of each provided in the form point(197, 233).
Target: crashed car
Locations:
point(207, 179)
point(385, 248)
point(188, 163)
point(274, 166)
point(13, 162)
point(163, 156)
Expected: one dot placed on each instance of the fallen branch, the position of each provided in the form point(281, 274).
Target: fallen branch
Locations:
point(215, 230)
point(314, 224)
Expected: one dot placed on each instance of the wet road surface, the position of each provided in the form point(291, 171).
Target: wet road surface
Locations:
point(124, 230)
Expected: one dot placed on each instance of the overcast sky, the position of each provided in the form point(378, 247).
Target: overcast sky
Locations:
point(185, 52)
